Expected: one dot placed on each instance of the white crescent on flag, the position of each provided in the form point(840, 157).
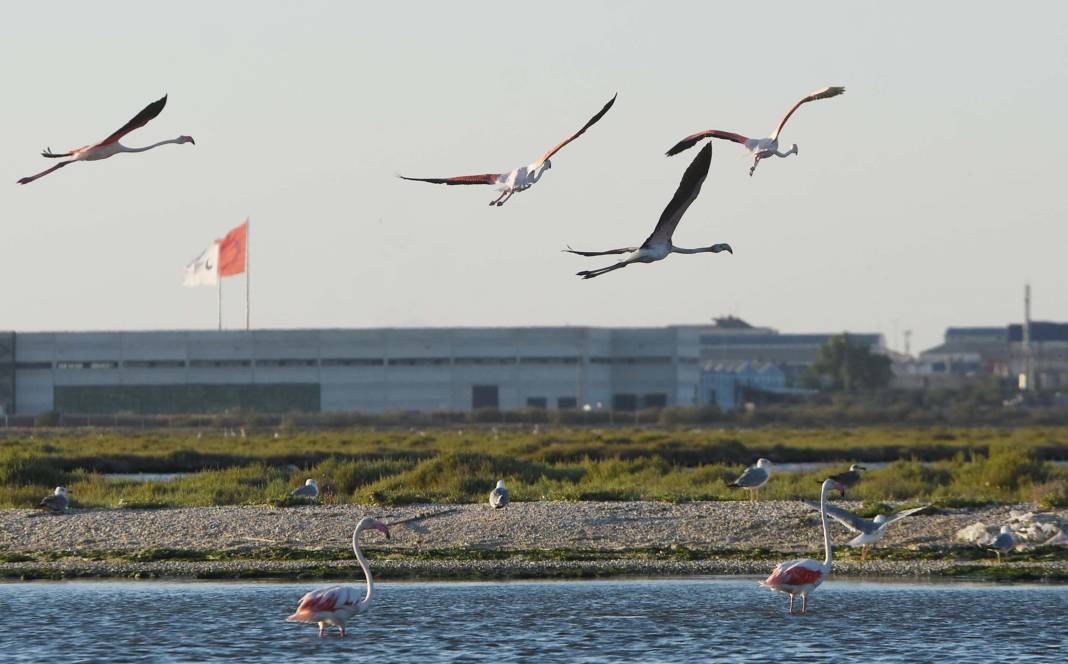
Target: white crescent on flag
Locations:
point(204, 269)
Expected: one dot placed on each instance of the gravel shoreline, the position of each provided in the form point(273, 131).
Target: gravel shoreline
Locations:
point(737, 537)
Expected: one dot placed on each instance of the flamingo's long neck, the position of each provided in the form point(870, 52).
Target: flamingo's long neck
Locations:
point(149, 147)
point(538, 173)
point(683, 250)
point(826, 532)
point(363, 565)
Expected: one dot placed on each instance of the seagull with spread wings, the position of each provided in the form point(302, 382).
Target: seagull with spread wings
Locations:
point(658, 246)
point(521, 178)
point(761, 148)
point(110, 146)
point(869, 531)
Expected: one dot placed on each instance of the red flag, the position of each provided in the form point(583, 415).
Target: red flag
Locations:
point(233, 251)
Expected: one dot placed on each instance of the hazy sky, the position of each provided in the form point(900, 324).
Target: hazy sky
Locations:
point(924, 197)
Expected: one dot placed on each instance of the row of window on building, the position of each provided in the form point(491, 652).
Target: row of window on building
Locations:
point(338, 362)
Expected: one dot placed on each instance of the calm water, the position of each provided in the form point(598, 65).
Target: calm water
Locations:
point(599, 621)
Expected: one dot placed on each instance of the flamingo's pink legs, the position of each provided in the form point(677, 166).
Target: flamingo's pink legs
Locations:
point(31, 178)
point(503, 198)
point(791, 603)
point(804, 603)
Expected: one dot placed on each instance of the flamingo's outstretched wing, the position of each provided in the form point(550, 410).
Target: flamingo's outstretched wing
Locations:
point(624, 250)
point(694, 139)
point(139, 120)
point(822, 93)
point(685, 195)
point(580, 132)
point(487, 178)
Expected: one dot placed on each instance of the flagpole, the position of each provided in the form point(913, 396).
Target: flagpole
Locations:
point(248, 272)
point(218, 280)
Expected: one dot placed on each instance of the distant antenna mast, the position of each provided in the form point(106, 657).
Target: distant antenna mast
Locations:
point(1029, 372)
point(908, 344)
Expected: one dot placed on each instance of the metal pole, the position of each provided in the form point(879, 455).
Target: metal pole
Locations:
point(248, 272)
point(218, 280)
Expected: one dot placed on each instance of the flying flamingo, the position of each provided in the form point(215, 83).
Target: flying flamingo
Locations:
point(761, 148)
point(658, 246)
point(110, 146)
point(800, 577)
point(754, 477)
point(336, 605)
point(521, 178)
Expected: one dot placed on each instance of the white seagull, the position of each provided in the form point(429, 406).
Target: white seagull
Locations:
point(58, 502)
point(761, 148)
point(1003, 543)
point(658, 246)
point(336, 605)
point(521, 178)
point(754, 477)
point(869, 531)
point(110, 146)
point(310, 490)
point(499, 497)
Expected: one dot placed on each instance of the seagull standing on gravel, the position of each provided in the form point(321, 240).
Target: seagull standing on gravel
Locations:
point(499, 497)
point(1003, 543)
point(310, 490)
point(754, 477)
point(58, 502)
point(869, 531)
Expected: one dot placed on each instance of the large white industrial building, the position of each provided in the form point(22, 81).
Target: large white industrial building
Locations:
point(384, 369)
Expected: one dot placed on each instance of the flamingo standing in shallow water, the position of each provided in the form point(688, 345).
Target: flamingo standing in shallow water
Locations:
point(521, 178)
point(110, 146)
point(761, 148)
point(658, 246)
point(336, 605)
point(800, 577)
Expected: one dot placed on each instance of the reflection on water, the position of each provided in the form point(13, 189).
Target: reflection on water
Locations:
point(642, 620)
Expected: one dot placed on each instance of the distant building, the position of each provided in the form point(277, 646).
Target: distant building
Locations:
point(730, 385)
point(383, 369)
point(1048, 351)
point(733, 340)
point(968, 351)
